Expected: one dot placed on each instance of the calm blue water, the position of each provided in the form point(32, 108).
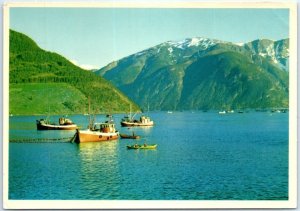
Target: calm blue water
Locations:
point(199, 156)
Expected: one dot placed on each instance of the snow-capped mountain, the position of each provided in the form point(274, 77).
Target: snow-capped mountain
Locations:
point(276, 51)
point(202, 73)
point(202, 43)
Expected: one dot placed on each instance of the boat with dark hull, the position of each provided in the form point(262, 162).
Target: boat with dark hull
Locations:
point(63, 124)
point(133, 136)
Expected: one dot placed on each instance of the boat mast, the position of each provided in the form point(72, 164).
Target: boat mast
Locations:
point(89, 105)
point(90, 119)
point(130, 112)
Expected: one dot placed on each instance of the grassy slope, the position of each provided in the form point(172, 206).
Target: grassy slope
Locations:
point(45, 97)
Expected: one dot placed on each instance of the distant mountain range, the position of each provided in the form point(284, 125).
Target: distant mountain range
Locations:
point(42, 82)
point(196, 73)
point(201, 73)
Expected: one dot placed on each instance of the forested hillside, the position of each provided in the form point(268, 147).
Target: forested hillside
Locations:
point(44, 82)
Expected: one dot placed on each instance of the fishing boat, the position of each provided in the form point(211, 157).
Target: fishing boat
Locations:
point(63, 124)
point(144, 146)
point(98, 131)
point(133, 136)
point(143, 121)
point(129, 121)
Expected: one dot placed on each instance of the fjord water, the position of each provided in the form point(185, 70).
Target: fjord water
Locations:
point(199, 156)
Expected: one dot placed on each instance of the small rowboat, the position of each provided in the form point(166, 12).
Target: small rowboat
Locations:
point(144, 146)
point(129, 136)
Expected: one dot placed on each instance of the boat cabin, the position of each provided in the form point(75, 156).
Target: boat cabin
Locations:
point(65, 121)
point(145, 119)
point(104, 127)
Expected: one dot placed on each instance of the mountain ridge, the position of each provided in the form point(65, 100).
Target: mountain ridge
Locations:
point(156, 75)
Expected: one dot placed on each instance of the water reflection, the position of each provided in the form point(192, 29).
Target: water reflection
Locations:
point(141, 131)
point(92, 150)
point(99, 169)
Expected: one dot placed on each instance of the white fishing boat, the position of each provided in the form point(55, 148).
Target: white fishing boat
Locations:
point(129, 121)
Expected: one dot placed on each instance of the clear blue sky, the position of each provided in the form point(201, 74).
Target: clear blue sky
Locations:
point(98, 36)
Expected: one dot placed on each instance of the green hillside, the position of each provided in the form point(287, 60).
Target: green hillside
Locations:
point(43, 82)
point(26, 96)
point(230, 80)
point(201, 73)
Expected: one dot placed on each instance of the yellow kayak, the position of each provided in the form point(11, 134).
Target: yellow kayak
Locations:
point(144, 146)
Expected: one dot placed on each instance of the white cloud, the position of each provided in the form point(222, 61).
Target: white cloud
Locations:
point(84, 66)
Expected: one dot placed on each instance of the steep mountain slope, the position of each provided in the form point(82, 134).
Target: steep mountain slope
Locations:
point(201, 73)
point(43, 82)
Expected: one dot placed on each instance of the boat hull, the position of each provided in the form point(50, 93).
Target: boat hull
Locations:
point(42, 126)
point(142, 147)
point(136, 124)
point(95, 136)
point(124, 136)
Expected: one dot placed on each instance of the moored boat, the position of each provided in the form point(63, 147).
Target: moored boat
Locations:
point(63, 124)
point(103, 131)
point(130, 122)
point(144, 146)
point(125, 136)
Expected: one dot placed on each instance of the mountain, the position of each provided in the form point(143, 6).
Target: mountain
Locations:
point(42, 82)
point(201, 73)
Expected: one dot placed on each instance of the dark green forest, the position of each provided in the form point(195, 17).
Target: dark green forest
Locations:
point(28, 64)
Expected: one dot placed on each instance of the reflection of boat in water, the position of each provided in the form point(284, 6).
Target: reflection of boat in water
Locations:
point(103, 131)
point(63, 124)
point(144, 146)
point(133, 136)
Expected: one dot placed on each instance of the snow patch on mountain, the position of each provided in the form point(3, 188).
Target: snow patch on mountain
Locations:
point(194, 42)
point(204, 43)
point(170, 49)
point(276, 51)
point(140, 53)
